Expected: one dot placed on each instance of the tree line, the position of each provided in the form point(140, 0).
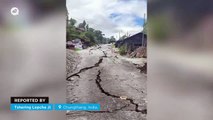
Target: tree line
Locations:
point(85, 32)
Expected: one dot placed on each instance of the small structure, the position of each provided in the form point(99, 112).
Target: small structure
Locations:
point(78, 44)
point(133, 42)
point(74, 44)
point(118, 43)
point(70, 45)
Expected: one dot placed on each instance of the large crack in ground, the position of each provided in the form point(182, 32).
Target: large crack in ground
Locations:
point(98, 83)
point(105, 54)
point(87, 68)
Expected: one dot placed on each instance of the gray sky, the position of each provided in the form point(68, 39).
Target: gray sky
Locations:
point(110, 16)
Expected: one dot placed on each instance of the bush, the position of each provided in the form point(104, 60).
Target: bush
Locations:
point(122, 50)
point(77, 49)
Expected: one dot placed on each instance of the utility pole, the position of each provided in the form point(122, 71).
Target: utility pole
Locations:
point(143, 30)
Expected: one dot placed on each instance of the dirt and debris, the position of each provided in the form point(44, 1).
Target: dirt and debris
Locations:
point(140, 52)
point(143, 69)
point(72, 60)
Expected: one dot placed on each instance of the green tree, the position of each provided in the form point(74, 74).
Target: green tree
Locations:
point(90, 36)
point(82, 25)
point(123, 37)
point(99, 36)
point(91, 30)
point(72, 22)
point(112, 39)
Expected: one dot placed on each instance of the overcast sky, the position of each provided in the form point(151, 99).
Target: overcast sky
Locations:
point(110, 16)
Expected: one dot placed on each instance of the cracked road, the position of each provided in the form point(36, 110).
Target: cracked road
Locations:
point(117, 85)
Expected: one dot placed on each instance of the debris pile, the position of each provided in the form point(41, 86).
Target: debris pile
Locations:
point(140, 52)
point(143, 69)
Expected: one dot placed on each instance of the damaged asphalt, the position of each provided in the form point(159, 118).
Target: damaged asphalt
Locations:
point(87, 68)
point(116, 86)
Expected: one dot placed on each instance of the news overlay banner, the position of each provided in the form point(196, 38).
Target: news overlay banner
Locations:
point(42, 103)
point(30, 107)
point(29, 100)
point(78, 107)
point(57, 107)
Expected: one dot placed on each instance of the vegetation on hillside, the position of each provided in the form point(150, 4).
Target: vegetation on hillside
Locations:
point(122, 50)
point(85, 32)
